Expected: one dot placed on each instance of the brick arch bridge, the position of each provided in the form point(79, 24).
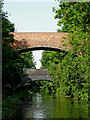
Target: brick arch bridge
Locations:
point(40, 41)
point(32, 75)
point(36, 74)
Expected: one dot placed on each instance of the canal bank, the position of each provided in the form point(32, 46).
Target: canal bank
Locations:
point(13, 102)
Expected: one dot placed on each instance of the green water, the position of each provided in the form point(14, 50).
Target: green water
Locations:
point(51, 106)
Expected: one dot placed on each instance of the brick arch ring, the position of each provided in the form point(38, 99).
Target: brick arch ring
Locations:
point(40, 41)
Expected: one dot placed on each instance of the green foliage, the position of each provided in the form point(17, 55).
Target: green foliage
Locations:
point(12, 103)
point(74, 76)
point(27, 60)
point(50, 60)
point(73, 16)
point(11, 71)
point(70, 72)
point(7, 27)
point(11, 67)
point(12, 62)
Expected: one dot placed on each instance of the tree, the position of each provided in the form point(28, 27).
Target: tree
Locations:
point(13, 62)
point(71, 73)
point(11, 71)
point(50, 59)
point(27, 60)
point(73, 16)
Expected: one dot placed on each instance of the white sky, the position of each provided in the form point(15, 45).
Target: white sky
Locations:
point(29, 0)
point(36, 16)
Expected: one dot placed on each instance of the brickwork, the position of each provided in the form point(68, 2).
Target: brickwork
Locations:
point(31, 40)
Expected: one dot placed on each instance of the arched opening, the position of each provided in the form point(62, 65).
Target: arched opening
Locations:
point(37, 79)
point(37, 53)
point(41, 48)
point(36, 75)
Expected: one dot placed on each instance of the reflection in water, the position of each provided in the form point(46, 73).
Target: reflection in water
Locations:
point(38, 113)
point(49, 106)
point(34, 110)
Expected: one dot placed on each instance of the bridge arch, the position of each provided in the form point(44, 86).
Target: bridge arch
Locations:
point(36, 74)
point(41, 48)
point(39, 80)
point(40, 41)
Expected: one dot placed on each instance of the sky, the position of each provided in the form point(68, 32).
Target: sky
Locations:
point(32, 16)
point(29, 0)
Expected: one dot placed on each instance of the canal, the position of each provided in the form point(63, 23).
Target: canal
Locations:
point(52, 106)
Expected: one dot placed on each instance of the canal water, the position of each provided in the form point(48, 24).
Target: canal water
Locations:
point(51, 106)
